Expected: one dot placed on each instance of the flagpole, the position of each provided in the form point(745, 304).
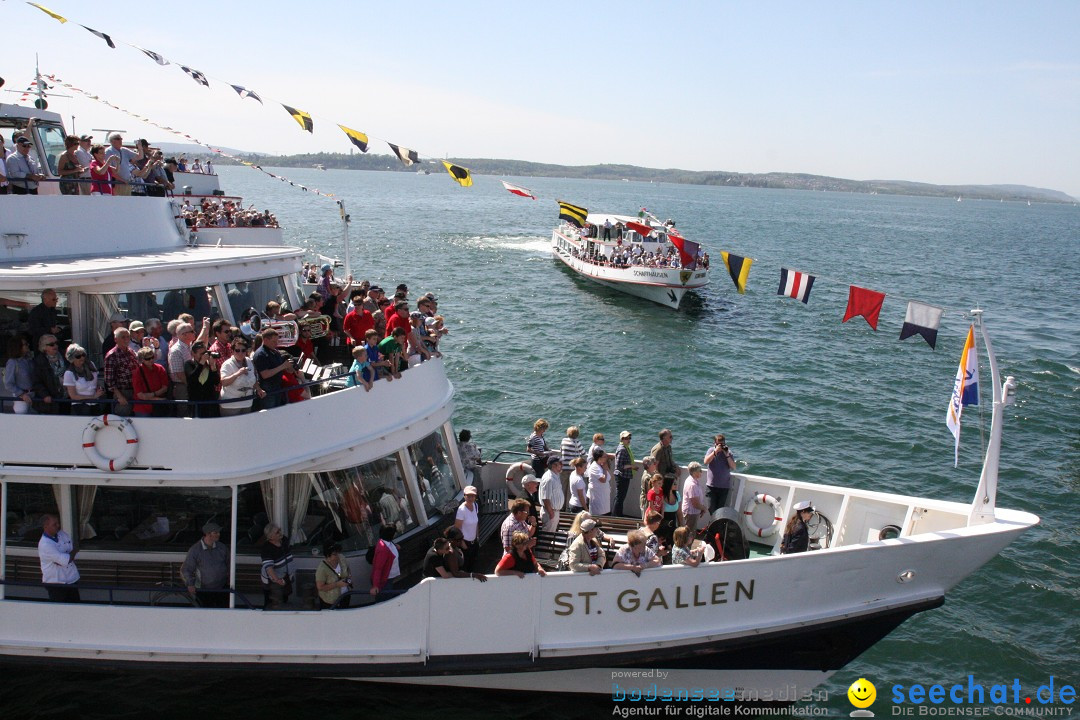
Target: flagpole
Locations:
point(345, 236)
point(982, 507)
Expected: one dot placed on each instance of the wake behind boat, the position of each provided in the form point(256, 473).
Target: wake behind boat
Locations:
point(638, 255)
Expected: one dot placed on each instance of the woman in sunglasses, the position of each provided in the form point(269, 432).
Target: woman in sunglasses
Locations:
point(81, 381)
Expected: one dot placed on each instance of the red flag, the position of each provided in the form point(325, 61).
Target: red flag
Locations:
point(687, 249)
point(639, 228)
point(864, 302)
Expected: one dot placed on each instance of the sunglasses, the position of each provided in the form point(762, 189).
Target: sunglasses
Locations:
point(78, 356)
point(52, 344)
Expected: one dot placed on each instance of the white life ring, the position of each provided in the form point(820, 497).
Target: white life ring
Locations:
point(131, 443)
point(777, 518)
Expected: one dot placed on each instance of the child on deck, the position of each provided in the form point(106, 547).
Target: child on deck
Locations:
point(361, 368)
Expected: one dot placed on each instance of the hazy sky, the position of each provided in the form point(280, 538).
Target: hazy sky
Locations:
point(941, 92)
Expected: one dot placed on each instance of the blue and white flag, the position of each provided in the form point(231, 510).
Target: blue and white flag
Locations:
point(965, 389)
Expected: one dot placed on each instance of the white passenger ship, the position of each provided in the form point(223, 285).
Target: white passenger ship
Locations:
point(758, 625)
point(589, 253)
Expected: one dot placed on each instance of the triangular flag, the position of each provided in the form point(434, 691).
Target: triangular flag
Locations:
point(795, 284)
point(103, 36)
point(924, 320)
point(301, 117)
point(688, 249)
point(965, 389)
point(573, 214)
point(738, 268)
point(196, 76)
point(160, 60)
point(404, 154)
point(357, 138)
point(243, 92)
point(49, 12)
point(461, 175)
point(518, 190)
point(864, 302)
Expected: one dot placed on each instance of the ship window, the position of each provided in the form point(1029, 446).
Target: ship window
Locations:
point(351, 505)
point(433, 471)
point(137, 519)
point(26, 504)
point(51, 138)
point(255, 294)
point(165, 305)
point(15, 307)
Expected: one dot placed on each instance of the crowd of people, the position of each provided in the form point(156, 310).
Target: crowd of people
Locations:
point(227, 213)
point(86, 168)
point(215, 368)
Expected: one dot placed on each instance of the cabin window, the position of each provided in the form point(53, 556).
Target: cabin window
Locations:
point(15, 307)
point(433, 472)
point(255, 294)
point(51, 139)
point(163, 305)
point(351, 505)
point(137, 519)
point(27, 502)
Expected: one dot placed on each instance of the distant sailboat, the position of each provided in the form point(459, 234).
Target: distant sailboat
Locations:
point(958, 198)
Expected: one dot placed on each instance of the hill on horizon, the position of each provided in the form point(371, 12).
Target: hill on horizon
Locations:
point(524, 168)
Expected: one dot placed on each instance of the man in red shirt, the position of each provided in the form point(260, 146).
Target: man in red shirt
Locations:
point(358, 320)
point(399, 318)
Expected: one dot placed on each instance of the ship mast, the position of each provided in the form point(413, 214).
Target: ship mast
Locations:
point(982, 507)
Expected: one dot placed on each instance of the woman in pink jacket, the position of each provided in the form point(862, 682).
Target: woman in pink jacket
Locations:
point(385, 567)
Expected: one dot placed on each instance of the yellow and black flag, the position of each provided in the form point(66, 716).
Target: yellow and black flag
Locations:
point(572, 213)
point(739, 269)
point(301, 117)
point(356, 137)
point(461, 175)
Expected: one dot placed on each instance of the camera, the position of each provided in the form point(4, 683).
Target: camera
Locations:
point(215, 355)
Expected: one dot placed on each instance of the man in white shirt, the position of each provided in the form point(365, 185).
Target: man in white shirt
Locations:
point(82, 153)
point(57, 555)
point(551, 494)
point(127, 158)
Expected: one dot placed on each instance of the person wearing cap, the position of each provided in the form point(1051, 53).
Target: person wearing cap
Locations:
point(720, 462)
point(531, 486)
point(517, 521)
point(125, 163)
point(624, 470)
point(206, 568)
point(796, 538)
point(514, 474)
point(551, 496)
point(82, 154)
point(586, 553)
point(137, 333)
point(467, 520)
point(427, 305)
point(116, 321)
point(23, 171)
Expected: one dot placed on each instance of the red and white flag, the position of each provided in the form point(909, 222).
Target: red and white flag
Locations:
point(518, 190)
point(795, 284)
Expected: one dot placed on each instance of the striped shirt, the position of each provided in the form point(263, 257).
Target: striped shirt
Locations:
point(571, 449)
point(275, 557)
point(537, 444)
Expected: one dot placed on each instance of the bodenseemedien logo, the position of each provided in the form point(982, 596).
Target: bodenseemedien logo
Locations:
point(862, 694)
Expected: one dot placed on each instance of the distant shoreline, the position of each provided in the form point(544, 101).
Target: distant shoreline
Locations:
point(633, 173)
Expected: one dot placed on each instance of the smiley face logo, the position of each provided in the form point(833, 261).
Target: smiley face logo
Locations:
point(862, 693)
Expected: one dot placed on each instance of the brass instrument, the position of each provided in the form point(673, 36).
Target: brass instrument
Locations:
point(317, 325)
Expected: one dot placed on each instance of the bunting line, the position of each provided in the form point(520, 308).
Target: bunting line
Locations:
point(360, 140)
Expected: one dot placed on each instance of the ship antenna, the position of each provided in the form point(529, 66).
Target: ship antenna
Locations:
point(982, 507)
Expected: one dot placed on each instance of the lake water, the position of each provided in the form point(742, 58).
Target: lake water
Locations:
point(797, 393)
